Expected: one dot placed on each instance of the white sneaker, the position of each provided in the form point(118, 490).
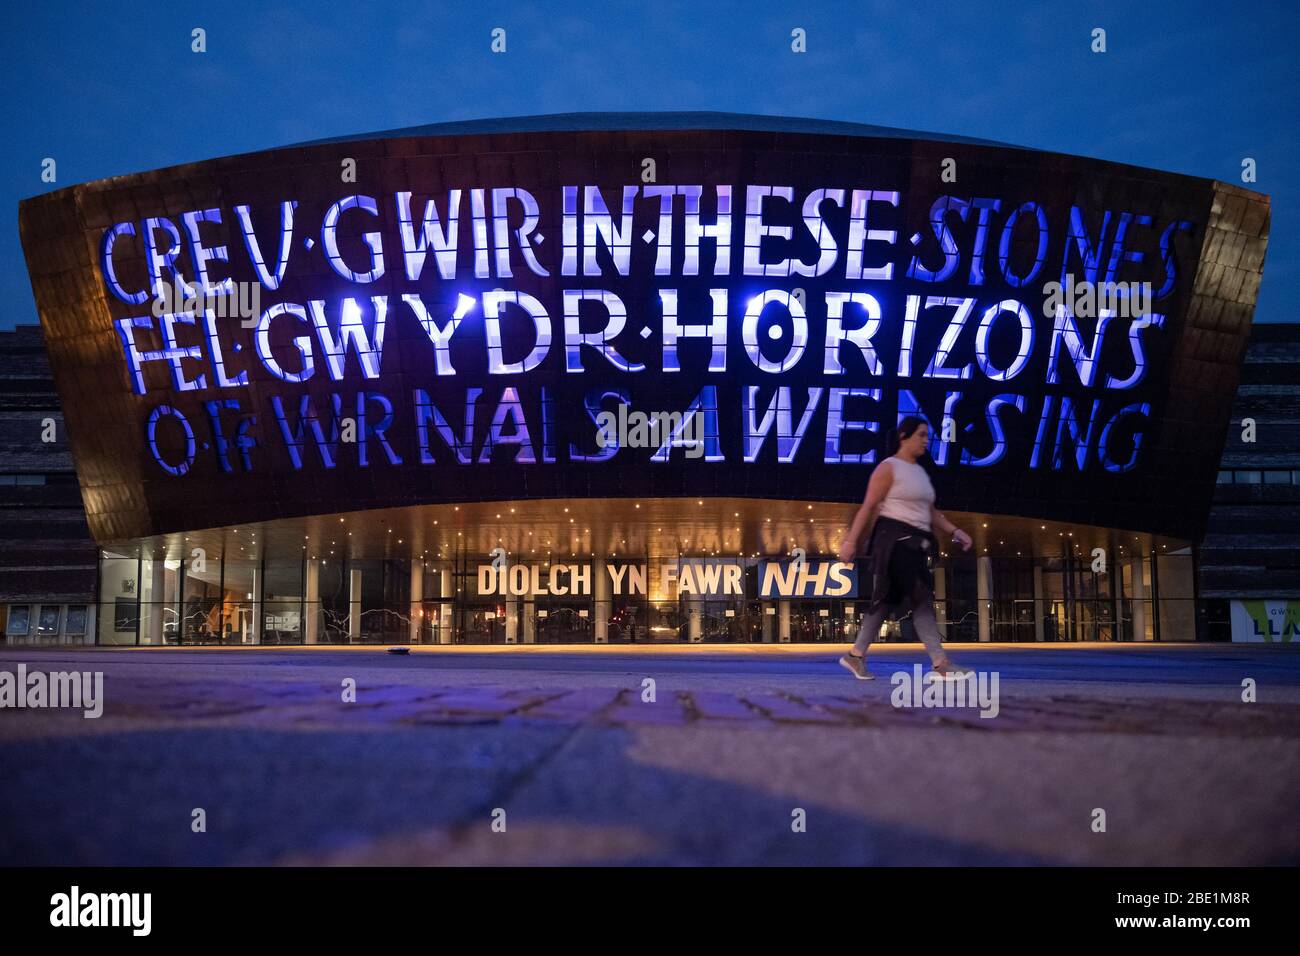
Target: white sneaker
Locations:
point(857, 667)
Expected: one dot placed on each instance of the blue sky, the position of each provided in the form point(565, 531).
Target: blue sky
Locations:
point(1186, 87)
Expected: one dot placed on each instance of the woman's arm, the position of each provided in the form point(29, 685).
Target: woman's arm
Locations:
point(881, 480)
point(940, 521)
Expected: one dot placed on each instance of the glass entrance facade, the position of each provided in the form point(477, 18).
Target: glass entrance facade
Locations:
point(273, 599)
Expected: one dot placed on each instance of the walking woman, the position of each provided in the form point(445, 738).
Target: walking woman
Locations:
point(899, 509)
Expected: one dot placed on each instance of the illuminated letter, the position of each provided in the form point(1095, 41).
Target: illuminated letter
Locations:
point(836, 426)
point(352, 330)
point(598, 225)
point(756, 230)
point(501, 230)
point(303, 342)
point(664, 239)
point(1135, 341)
point(1117, 251)
point(440, 335)
point(592, 402)
point(433, 235)
point(425, 411)
point(981, 234)
point(218, 358)
point(175, 354)
point(706, 404)
point(1085, 362)
point(1026, 340)
point(1143, 409)
point(1004, 247)
point(909, 336)
point(715, 330)
point(511, 408)
point(200, 255)
point(569, 226)
point(779, 410)
point(860, 234)
point(749, 331)
point(373, 240)
point(492, 302)
point(180, 467)
point(996, 431)
point(378, 429)
point(307, 417)
point(135, 359)
point(243, 441)
point(812, 219)
point(937, 368)
point(159, 260)
point(266, 277)
point(106, 265)
point(951, 255)
point(1082, 442)
point(478, 224)
point(1168, 255)
point(1089, 255)
point(719, 231)
point(861, 336)
point(575, 339)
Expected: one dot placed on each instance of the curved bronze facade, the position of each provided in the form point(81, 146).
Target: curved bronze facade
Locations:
point(797, 289)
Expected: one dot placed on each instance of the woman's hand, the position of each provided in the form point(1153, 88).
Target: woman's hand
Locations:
point(846, 552)
point(962, 538)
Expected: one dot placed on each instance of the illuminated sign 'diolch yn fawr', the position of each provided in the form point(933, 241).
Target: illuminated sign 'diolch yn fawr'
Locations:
point(429, 327)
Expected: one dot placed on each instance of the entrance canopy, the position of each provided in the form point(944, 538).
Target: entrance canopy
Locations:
point(610, 528)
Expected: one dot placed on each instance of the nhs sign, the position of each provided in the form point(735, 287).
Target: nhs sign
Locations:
point(808, 579)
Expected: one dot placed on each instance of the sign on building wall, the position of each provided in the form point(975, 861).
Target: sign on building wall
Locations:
point(1265, 621)
point(454, 327)
point(670, 579)
point(688, 578)
point(810, 579)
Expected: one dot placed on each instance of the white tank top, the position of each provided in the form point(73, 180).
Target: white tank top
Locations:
point(910, 497)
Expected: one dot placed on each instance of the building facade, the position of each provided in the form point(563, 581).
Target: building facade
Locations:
point(1249, 562)
point(624, 378)
point(47, 558)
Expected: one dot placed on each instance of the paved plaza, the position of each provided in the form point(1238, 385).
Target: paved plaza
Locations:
point(746, 755)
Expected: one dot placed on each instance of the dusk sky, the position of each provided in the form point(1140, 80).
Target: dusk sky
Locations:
point(108, 89)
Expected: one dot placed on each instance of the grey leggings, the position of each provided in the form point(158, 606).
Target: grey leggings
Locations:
point(923, 620)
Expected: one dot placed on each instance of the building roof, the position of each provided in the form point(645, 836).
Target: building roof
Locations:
point(698, 119)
